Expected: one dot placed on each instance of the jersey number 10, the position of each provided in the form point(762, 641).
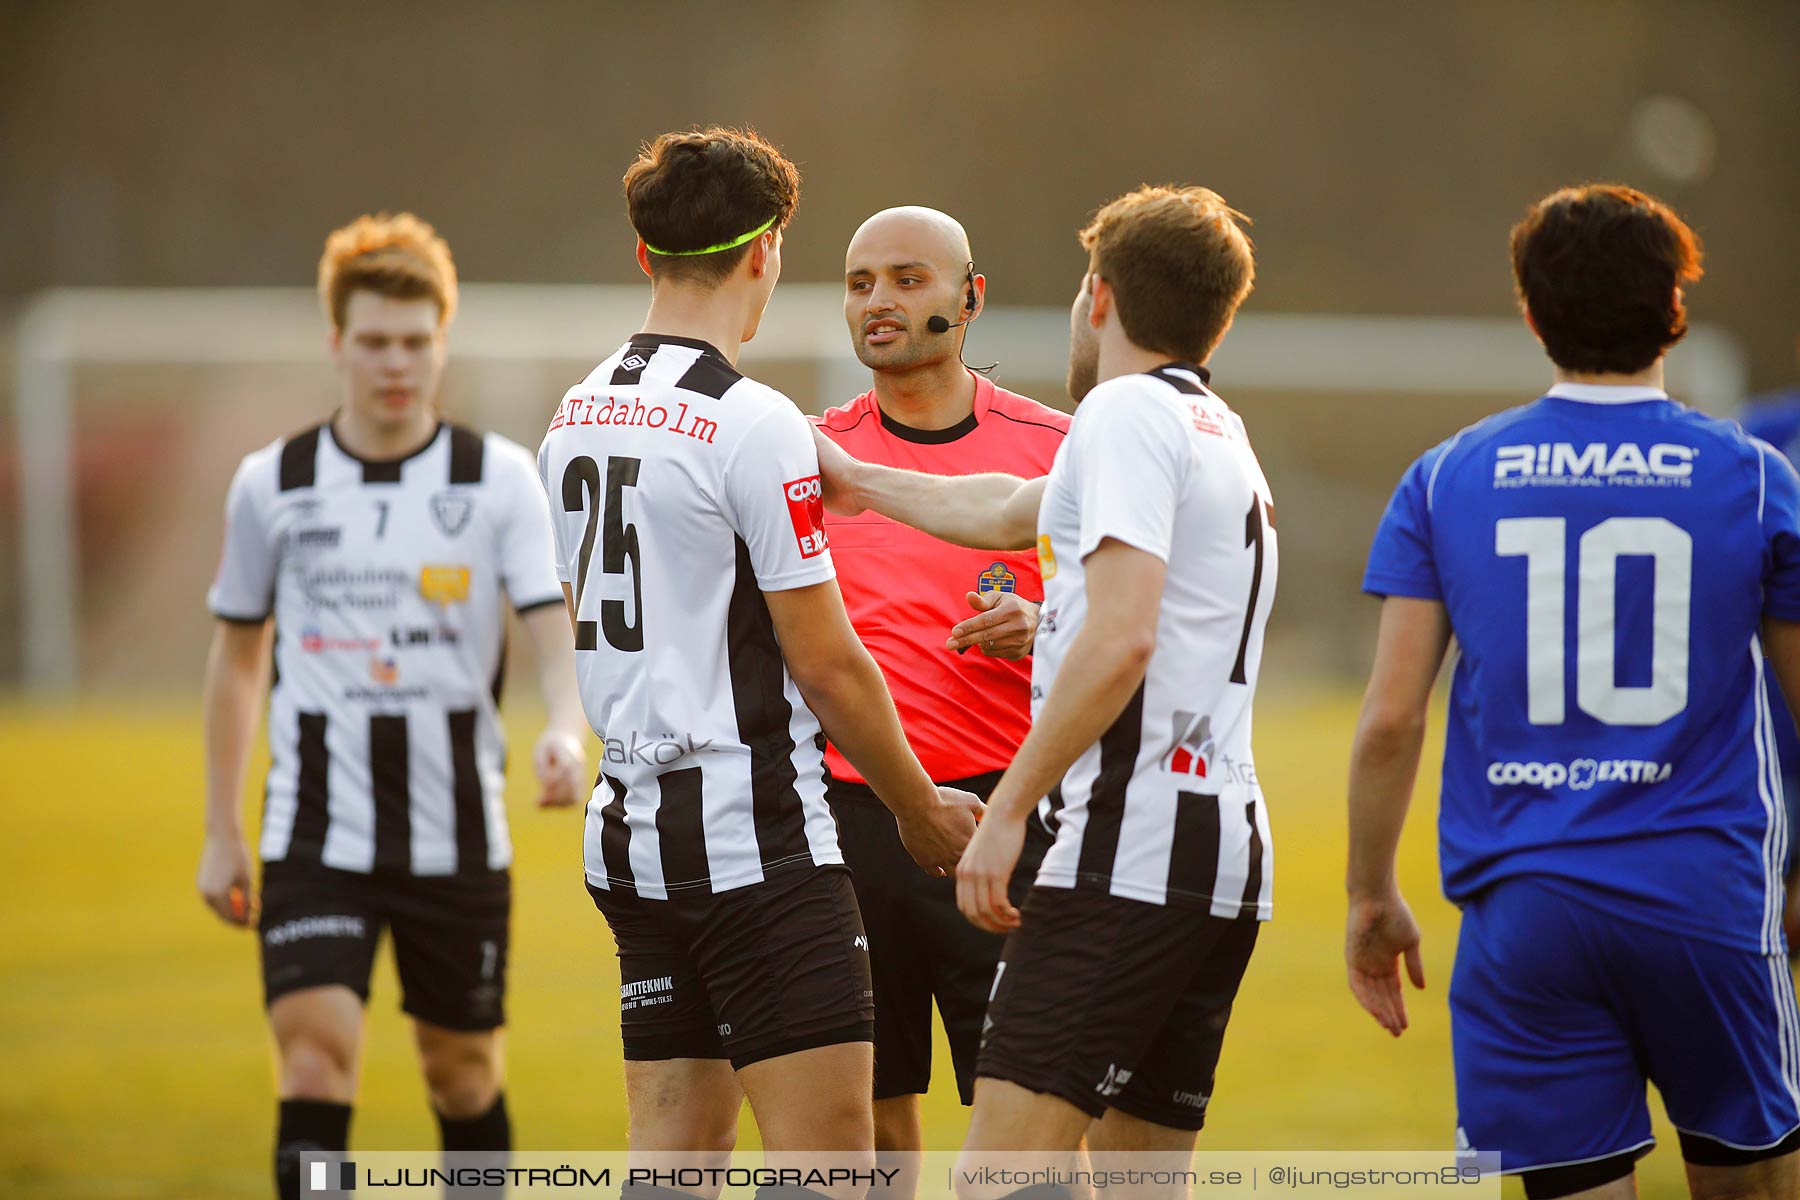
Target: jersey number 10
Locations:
point(581, 493)
point(1542, 542)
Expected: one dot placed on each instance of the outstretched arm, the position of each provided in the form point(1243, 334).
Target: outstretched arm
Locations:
point(1384, 761)
point(988, 512)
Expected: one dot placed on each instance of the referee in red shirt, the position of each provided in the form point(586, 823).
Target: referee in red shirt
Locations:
point(961, 681)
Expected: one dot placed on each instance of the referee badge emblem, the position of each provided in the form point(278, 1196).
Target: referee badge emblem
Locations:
point(451, 511)
point(997, 578)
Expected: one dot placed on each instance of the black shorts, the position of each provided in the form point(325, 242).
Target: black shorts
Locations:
point(320, 925)
point(920, 945)
point(747, 974)
point(1113, 1003)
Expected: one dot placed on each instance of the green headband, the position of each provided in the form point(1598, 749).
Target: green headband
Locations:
point(733, 244)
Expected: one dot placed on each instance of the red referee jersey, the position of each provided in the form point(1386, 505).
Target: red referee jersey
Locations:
point(965, 714)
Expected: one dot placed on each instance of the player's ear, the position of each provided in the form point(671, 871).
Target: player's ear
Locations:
point(1530, 324)
point(761, 250)
point(334, 341)
point(643, 257)
point(979, 283)
point(1103, 300)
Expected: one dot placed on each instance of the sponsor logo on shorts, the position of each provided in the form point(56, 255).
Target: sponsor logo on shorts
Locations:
point(997, 578)
point(643, 993)
point(806, 509)
point(1114, 1081)
point(1596, 464)
point(304, 928)
point(1579, 774)
point(1194, 1100)
point(652, 752)
point(451, 511)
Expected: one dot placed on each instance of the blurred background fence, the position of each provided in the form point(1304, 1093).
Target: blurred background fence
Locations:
point(1383, 151)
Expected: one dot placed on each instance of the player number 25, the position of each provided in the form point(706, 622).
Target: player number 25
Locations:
point(619, 545)
point(1542, 542)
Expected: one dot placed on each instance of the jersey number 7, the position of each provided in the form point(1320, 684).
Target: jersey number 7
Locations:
point(1542, 542)
point(581, 493)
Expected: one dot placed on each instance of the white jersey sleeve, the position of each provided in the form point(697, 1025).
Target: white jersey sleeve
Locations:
point(1132, 458)
point(244, 589)
point(559, 552)
point(527, 554)
point(773, 500)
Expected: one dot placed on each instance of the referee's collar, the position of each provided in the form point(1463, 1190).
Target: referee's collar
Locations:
point(1606, 393)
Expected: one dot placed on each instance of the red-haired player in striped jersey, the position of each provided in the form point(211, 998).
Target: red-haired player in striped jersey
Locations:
point(910, 290)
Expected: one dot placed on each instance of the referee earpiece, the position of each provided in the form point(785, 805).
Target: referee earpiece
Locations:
point(939, 324)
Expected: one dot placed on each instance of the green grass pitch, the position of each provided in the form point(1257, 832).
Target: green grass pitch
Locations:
point(135, 1060)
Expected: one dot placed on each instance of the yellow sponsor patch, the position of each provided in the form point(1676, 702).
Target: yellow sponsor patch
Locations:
point(444, 585)
point(1046, 557)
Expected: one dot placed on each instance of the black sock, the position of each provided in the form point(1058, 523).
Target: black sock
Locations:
point(477, 1143)
point(492, 1130)
point(304, 1125)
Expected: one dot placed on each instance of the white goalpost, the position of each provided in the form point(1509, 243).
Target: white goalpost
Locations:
point(503, 327)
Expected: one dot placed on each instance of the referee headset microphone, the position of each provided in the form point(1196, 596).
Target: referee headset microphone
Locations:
point(941, 324)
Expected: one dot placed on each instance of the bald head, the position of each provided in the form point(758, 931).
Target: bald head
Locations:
point(914, 233)
point(906, 266)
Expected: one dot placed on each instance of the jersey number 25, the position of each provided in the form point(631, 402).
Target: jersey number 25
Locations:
point(619, 545)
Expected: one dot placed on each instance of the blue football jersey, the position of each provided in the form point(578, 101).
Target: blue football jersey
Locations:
point(1775, 419)
point(1606, 557)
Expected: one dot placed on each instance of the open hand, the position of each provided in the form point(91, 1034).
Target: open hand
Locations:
point(1379, 933)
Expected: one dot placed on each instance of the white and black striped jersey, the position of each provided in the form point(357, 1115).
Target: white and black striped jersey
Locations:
point(680, 492)
point(386, 583)
point(1165, 807)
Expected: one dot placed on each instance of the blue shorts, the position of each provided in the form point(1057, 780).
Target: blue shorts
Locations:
point(1559, 1014)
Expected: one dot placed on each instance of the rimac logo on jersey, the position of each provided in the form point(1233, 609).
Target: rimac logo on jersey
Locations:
point(1193, 745)
point(806, 509)
point(1580, 774)
point(1563, 464)
point(997, 578)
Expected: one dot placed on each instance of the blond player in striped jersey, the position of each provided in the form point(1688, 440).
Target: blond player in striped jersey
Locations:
point(381, 548)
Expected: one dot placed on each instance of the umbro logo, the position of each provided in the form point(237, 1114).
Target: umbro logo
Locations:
point(634, 362)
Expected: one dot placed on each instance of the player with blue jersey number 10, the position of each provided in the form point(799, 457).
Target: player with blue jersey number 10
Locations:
point(1614, 568)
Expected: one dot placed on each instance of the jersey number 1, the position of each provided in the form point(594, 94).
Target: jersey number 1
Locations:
point(1542, 542)
point(581, 493)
